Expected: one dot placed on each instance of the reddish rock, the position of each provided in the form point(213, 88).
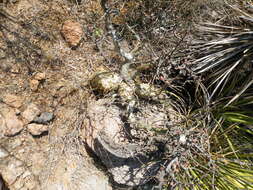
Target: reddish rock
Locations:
point(37, 129)
point(31, 112)
point(72, 32)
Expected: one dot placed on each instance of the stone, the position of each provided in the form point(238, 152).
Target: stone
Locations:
point(68, 173)
point(124, 160)
point(44, 118)
point(148, 91)
point(150, 119)
point(16, 175)
point(37, 129)
point(105, 82)
point(3, 153)
point(34, 84)
point(72, 169)
point(12, 125)
point(40, 76)
point(126, 92)
point(72, 32)
point(102, 119)
point(31, 112)
point(12, 169)
point(2, 184)
point(13, 100)
point(2, 123)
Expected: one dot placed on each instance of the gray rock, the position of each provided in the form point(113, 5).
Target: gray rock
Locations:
point(44, 118)
point(127, 162)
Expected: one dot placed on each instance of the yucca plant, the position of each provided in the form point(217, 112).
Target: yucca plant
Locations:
point(225, 65)
point(220, 149)
point(228, 58)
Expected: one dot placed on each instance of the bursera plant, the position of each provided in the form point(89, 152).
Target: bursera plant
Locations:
point(211, 145)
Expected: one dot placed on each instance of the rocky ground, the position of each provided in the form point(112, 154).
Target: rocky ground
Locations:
point(56, 133)
point(44, 92)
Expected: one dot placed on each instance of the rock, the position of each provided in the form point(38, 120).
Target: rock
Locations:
point(11, 124)
point(15, 70)
point(70, 173)
point(37, 129)
point(72, 169)
point(12, 144)
point(105, 82)
point(31, 112)
point(103, 119)
point(148, 91)
point(26, 181)
point(11, 169)
point(13, 100)
point(126, 92)
point(3, 154)
point(104, 134)
point(16, 175)
point(44, 118)
point(34, 84)
point(2, 124)
point(2, 184)
point(72, 32)
point(40, 76)
point(150, 118)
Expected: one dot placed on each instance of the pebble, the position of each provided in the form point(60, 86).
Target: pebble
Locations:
point(72, 32)
point(35, 82)
point(44, 118)
point(37, 129)
point(16, 175)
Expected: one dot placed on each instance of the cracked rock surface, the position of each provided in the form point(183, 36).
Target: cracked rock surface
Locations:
point(105, 133)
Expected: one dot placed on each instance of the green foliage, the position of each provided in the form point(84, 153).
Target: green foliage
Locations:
point(225, 64)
